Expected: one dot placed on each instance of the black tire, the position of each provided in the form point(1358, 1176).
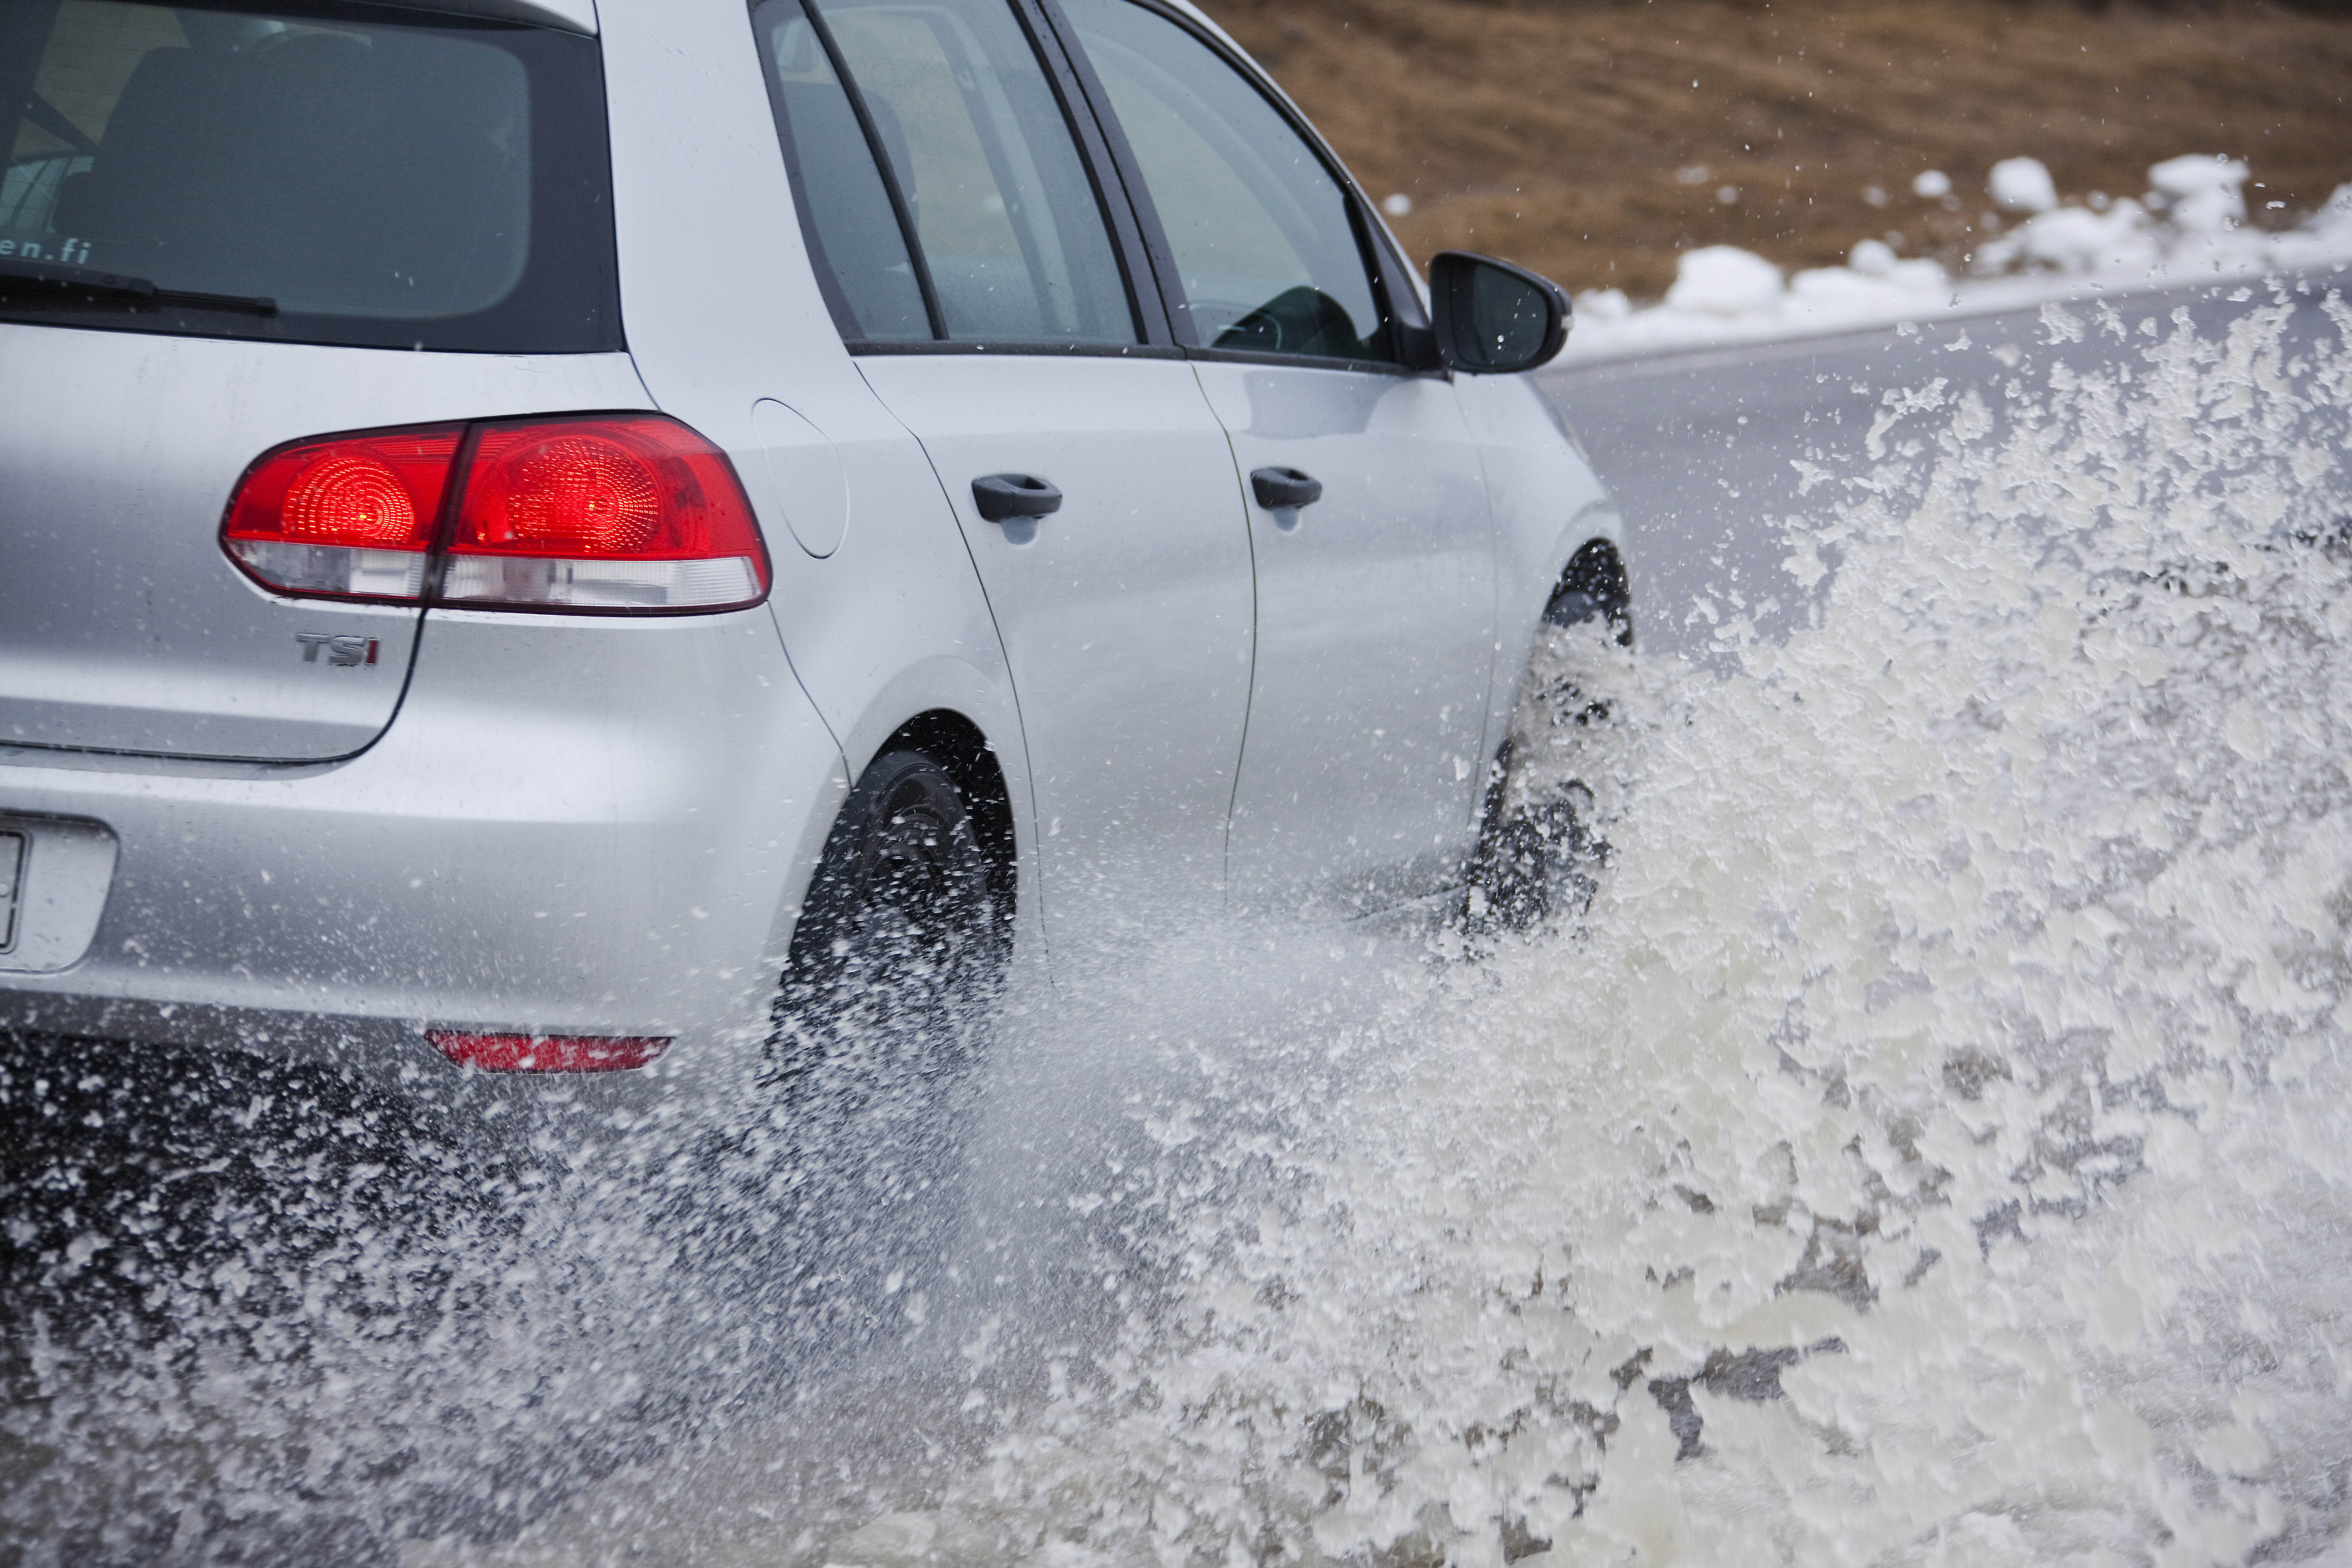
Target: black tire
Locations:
point(1539, 855)
point(893, 975)
point(1536, 857)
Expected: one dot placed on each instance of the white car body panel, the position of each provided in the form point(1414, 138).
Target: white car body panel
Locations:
point(1375, 641)
point(542, 854)
point(1126, 615)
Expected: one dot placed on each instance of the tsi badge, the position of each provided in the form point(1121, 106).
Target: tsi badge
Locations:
point(346, 649)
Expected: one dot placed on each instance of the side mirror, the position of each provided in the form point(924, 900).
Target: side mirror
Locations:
point(1491, 318)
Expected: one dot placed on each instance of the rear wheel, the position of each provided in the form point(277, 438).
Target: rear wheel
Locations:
point(892, 978)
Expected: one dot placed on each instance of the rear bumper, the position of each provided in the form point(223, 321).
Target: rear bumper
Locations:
point(573, 826)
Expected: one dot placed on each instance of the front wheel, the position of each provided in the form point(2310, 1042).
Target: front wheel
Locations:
point(1539, 851)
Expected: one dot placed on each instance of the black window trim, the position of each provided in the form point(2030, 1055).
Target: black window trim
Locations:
point(1105, 176)
point(1373, 256)
point(836, 304)
point(843, 318)
point(1146, 311)
point(1146, 264)
point(1055, 349)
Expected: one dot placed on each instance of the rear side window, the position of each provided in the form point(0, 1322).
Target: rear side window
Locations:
point(936, 168)
point(310, 174)
point(859, 249)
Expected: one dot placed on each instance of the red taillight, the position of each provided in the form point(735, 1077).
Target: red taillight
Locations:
point(352, 516)
point(548, 1053)
point(354, 499)
point(580, 494)
point(616, 513)
point(613, 514)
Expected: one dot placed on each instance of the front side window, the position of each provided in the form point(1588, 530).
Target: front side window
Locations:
point(1009, 241)
point(317, 173)
point(1264, 241)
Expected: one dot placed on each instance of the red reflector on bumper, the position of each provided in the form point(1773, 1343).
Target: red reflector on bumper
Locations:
point(548, 1053)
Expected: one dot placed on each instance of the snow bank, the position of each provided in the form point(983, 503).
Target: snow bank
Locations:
point(2202, 195)
point(1724, 280)
point(2190, 225)
point(2023, 186)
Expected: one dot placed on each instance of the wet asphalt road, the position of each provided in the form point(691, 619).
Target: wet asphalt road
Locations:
point(1702, 450)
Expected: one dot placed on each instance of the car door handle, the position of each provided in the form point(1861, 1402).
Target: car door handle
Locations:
point(1279, 488)
point(1002, 496)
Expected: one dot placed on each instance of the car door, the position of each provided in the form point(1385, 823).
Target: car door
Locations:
point(1361, 774)
point(975, 268)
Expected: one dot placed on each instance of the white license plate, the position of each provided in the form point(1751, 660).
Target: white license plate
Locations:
point(12, 880)
point(55, 874)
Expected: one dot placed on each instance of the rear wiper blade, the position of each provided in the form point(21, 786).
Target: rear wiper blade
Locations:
point(38, 278)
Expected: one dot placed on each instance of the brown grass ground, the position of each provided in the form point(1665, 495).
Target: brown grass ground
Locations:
point(1594, 139)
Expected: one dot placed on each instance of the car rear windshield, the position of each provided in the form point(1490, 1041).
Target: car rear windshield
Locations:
point(320, 174)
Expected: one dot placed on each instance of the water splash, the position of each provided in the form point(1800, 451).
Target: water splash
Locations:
point(1922, 1142)
point(1928, 1146)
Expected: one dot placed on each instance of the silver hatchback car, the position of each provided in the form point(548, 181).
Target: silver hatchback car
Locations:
point(598, 536)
